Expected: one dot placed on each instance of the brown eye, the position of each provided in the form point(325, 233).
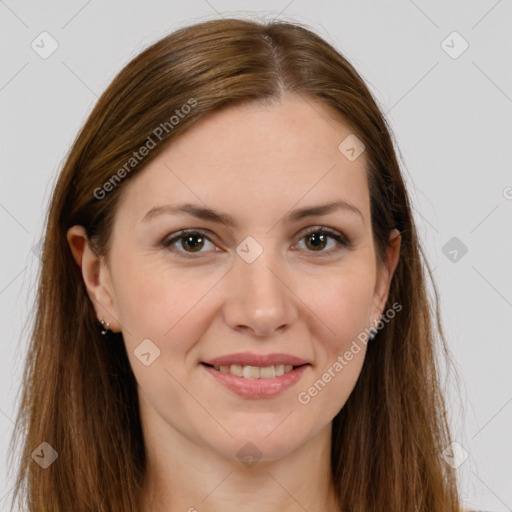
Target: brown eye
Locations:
point(318, 241)
point(318, 238)
point(187, 242)
point(194, 242)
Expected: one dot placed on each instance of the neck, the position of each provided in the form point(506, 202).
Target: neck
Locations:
point(182, 476)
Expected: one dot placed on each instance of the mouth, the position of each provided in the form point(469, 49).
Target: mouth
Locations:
point(255, 372)
point(256, 382)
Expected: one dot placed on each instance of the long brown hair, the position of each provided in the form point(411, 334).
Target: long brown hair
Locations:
point(79, 393)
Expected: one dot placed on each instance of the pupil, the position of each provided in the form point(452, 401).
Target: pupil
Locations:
point(320, 239)
point(188, 239)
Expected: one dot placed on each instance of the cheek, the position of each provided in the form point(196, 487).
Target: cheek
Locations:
point(335, 384)
point(160, 302)
point(342, 305)
point(345, 308)
point(343, 302)
point(173, 306)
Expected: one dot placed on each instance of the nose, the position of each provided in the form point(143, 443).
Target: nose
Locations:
point(259, 299)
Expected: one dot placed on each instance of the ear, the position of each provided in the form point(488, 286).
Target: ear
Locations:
point(385, 274)
point(96, 276)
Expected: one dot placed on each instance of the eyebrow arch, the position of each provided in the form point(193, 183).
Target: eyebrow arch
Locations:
point(224, 218)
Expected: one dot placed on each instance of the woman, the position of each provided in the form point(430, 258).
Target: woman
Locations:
point(232, 309)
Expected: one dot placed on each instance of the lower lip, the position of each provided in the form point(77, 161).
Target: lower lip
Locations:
point(257, 388)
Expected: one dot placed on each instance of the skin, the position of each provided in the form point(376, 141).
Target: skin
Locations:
point(256, 162)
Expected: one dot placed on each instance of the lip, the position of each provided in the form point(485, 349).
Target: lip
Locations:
point(250, 359)
point(257, 388)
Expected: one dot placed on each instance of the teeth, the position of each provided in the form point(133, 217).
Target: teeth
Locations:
point(267, 372)
point(235, 369)
point(256, 372)
point(251, 372)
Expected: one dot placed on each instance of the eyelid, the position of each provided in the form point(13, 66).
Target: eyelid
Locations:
point(343, 241)
point(168, 241)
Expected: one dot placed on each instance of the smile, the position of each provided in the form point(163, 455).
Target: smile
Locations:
point(256, 372)
point(254, 382)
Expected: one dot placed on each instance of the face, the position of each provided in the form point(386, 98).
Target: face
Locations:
point(264, 287)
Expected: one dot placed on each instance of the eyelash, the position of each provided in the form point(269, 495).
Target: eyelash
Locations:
point(343, 241)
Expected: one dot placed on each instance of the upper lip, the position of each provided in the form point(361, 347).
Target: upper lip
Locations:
point(249, 359)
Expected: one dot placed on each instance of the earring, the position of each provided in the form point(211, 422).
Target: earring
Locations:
point(105, 329)
point(373, 333)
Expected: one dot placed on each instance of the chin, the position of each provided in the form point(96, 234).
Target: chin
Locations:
point(253, 443)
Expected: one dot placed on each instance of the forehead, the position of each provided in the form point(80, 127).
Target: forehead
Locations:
point(254, 158)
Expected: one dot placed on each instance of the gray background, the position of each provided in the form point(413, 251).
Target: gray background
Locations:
point(452, 122)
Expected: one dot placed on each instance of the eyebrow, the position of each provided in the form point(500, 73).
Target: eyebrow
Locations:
point(224, 218)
